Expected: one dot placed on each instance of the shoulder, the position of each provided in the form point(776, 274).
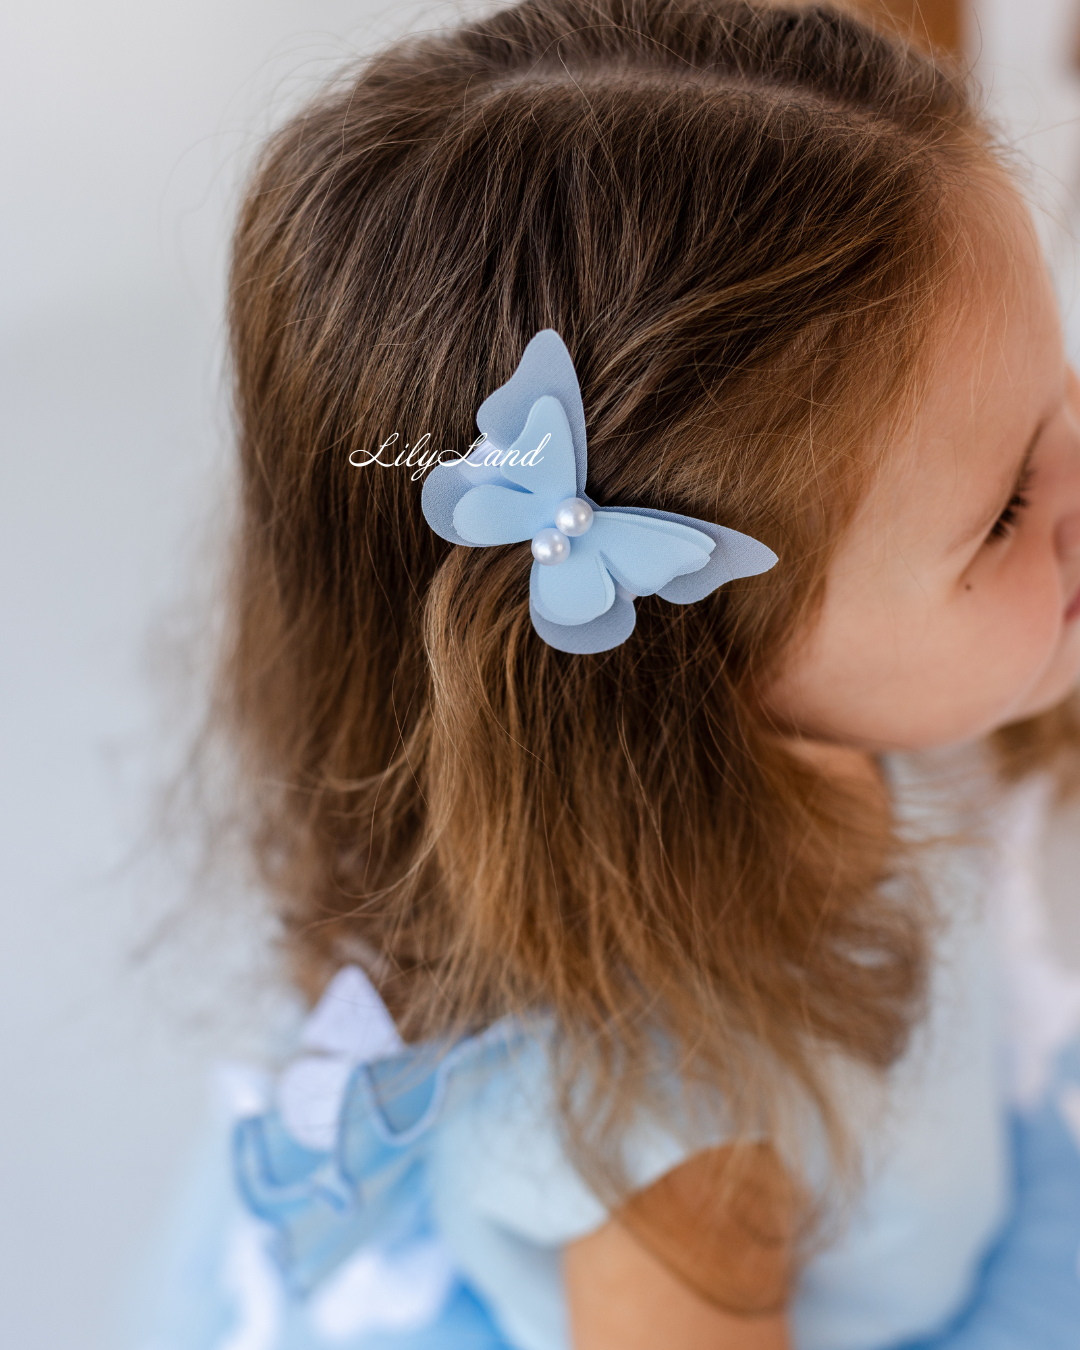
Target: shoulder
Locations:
point(725, 1222)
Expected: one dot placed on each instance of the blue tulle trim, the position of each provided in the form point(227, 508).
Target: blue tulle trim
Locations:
point(1028, 1292)
point(464, 1324)
point(372, 1187)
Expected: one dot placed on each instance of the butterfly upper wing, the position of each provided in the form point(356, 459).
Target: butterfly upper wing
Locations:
point(645, 553)
point(494, 514)
point(546, 367)
point(547, 446)
point(642, 554)
point(735, 555)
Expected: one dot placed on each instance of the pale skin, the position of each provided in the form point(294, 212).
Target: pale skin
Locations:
point(952, 608)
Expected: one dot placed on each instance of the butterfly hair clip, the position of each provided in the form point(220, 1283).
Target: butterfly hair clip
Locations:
point(525, 482)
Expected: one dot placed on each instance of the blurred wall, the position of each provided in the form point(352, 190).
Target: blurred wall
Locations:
point(126, 129)
point(127, 126)
point(1026, 56)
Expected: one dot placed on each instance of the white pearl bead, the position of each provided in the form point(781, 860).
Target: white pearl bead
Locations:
point(550, 546)
point(573, 516)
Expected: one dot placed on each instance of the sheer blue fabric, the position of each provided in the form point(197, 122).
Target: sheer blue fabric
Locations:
point(1026, 1295)
point(1028, 1289)
point(426, 1202)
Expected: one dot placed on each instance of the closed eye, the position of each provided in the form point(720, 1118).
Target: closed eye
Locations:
point(1014, 509)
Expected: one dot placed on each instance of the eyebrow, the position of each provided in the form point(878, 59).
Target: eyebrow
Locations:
point(985, 522)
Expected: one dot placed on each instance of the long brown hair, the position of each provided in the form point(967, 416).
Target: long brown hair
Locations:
point(740, 218)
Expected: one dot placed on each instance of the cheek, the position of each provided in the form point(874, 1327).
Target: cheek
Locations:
point(903, 668)
point(994, 645)
point(1042, 651)
point(1015, 622)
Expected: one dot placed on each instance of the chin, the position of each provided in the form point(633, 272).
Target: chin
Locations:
point(1053, 688)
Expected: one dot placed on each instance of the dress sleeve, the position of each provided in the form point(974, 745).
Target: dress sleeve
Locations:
point(507, 1196)
point(503, 1139)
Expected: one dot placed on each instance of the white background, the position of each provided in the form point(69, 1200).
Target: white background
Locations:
point(126, 129)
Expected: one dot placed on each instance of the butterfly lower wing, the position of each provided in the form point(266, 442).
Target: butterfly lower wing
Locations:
point(443, 488)
point(608, 630)
point(575, 591)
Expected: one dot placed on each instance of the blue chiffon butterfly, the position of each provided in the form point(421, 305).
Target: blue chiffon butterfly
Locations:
point(531, 462)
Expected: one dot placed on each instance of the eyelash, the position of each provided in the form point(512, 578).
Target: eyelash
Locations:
point(1018, 503)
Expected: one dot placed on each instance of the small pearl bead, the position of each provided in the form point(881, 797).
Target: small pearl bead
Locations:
point(550, 546)
point(573, 516)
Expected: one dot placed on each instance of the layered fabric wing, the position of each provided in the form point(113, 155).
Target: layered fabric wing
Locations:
point(538, 474)
point(545, 370)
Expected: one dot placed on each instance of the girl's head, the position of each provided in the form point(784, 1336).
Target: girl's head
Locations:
point(802, 301)
point(953, 600)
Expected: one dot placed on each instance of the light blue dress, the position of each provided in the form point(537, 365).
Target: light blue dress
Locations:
point(380, 1197)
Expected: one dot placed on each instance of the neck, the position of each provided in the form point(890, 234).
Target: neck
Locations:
point(846, 765)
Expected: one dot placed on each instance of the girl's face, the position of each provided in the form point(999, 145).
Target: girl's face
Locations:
point(952, 606)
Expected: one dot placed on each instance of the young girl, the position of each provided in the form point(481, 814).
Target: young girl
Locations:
point(665, 840)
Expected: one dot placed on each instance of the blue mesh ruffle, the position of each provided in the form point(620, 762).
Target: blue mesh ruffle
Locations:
point(372, 1186)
